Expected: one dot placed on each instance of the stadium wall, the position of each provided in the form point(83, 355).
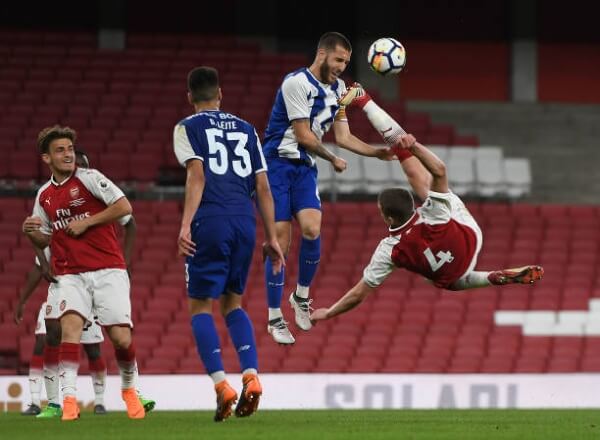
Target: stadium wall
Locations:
point(350, 391)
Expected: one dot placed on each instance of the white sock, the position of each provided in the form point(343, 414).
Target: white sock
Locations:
point(67, 372)
point(99, 383)
point(472, 280)
point(250, 371)
point(35, 385)
point(127, 370)
point(136, 377)
point(217, 376)
point(385, 125)
point(302, 291)
point(51, 383)
point(275, 313)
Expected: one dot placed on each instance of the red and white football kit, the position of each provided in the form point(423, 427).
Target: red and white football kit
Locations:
point(90, 268)
point(441, 241)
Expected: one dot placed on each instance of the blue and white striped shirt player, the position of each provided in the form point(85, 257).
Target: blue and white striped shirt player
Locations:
point(301, 96)
point(232, 155)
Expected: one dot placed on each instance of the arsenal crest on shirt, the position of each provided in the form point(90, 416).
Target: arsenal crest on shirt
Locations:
point(74, 191)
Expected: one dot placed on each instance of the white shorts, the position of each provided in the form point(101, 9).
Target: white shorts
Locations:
point(92, 333)
point(102, 293)
point(460, 213)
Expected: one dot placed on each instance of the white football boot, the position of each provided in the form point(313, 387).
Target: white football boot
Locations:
point(302, 311)
point(278, 329)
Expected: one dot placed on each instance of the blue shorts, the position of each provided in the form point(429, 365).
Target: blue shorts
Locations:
point(224, 247)
point(294, 187)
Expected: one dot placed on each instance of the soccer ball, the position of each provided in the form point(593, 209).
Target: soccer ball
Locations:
point(386, 56)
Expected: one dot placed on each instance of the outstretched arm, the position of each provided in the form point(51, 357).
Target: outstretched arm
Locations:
point(308, 140)
point(345, 139)
point(417, 175)
point(430, 161)
point(194, 188)
point(351, 299)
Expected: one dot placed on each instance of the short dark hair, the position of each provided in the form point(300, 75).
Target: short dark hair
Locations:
point(396, 203)
point(49, 134)
point(203, 83)
point(330, 40)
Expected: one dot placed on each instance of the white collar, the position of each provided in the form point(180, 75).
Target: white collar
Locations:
point(396, 229)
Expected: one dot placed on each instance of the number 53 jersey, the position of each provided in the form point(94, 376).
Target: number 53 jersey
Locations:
point(231, 154)
point(441, 242)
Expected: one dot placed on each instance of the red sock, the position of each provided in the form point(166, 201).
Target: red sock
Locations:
point(51, 356)
point(97, 365)
point(37, 362)
point(126, 361)
point(402, 153)
point(361, 101)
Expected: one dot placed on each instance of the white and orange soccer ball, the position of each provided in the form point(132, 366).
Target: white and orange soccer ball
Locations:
point(386, 56)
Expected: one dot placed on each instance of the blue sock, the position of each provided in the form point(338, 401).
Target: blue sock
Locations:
point(308, 260)
point(242, 335)
point(274, 285)
point(207, 342)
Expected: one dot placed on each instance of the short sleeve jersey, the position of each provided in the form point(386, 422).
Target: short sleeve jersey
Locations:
point(231, 154)
point(85, 193)
point(301, 96)
point(431, 243)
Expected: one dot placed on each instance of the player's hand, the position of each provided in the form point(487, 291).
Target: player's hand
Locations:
point(272, 250)
point(386, 153)
point(31, 224)
point(186, 246)
point(406, 141)
point(339, 164)
point(318, 315)
point(77, 227)
point(18, 314)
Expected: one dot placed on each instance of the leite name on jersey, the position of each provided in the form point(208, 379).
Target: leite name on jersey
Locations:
point(64, 217)
point(224, 125)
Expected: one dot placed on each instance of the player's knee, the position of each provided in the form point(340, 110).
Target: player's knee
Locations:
point(311, 232)
point(120, 337)
point(229, 303)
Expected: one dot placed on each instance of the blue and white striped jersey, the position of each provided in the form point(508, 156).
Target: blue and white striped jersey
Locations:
point(301, 96)
point(231, 153)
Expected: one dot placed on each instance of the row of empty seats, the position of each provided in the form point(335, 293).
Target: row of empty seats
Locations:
point(482, 171)
point(124, 104)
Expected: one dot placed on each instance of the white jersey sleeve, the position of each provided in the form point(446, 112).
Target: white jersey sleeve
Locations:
point(437, 208)
point(182, 145)
point(381, 265)
point(99, 185)
point(38, 211)
point(262, 166)
point(295, 96)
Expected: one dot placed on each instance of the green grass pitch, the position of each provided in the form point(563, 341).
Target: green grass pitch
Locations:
point(317, 425)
